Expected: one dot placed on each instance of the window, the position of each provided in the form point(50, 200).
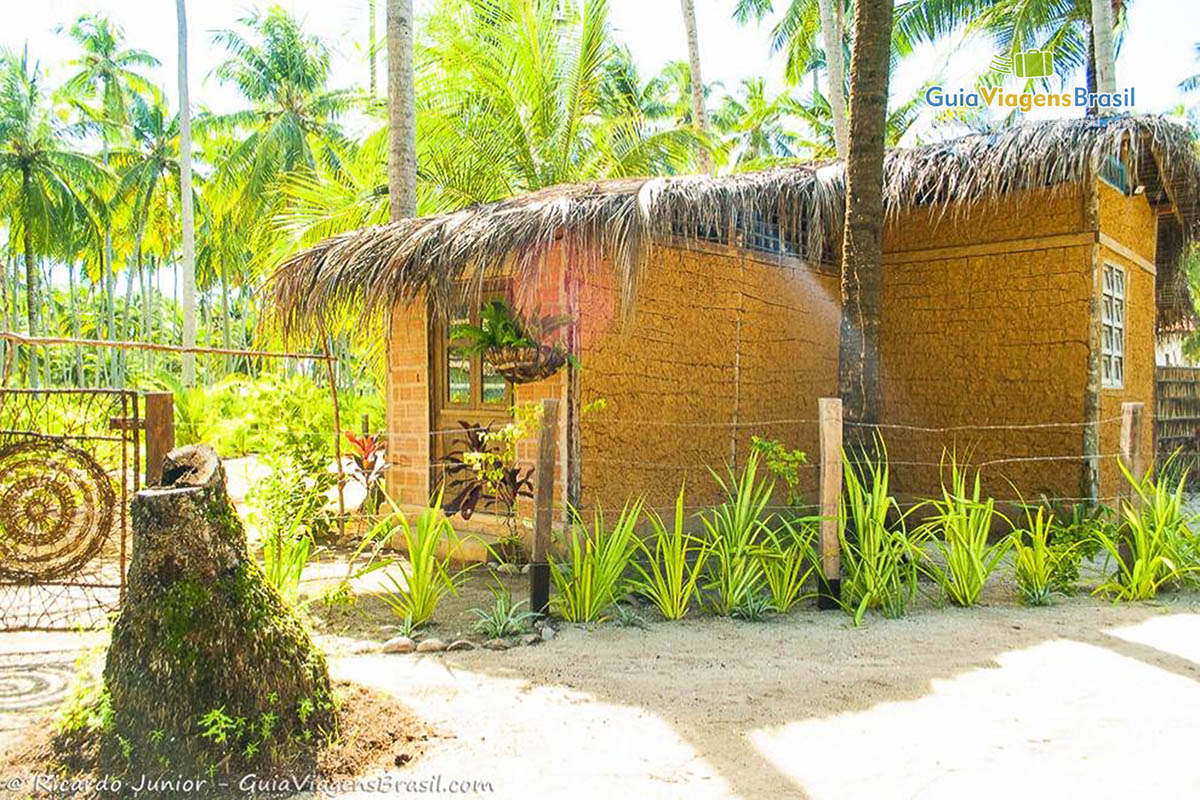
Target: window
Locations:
point(1112, 344)
point(763, 233)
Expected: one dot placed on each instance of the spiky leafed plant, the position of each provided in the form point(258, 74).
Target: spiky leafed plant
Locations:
point(42, 178)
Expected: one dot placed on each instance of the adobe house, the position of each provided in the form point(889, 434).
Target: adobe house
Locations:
point(1025, 273)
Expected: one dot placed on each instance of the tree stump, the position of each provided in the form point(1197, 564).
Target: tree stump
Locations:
point(209, 670)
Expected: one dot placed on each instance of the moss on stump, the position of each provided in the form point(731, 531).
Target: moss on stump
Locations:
point(209, 671)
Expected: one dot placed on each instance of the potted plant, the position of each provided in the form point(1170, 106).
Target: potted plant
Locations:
point(515, 348)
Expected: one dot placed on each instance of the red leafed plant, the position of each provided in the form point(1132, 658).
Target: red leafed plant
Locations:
point(369, 457)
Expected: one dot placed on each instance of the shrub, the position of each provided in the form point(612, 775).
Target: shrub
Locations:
point(783, 463)
point(427, 576)
point(788, 560)
point(735, 529)
point(1153, 545)
point(879, 560)
point(1035, 562)
point(754, 607)
point(1072, 538)
point(964, 521)
point(504, 618)
point(592, 577)
point(674, 567)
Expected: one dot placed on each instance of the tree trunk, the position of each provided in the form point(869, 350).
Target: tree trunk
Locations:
point(226, 333)
point(402, 112)
point(1102, 40)
point(185, 190)
point(201, 630)
point(699, 116)
point(831, 32)
point(74, 322)
point(31, 309)
point(862, 247)
point(371, 47)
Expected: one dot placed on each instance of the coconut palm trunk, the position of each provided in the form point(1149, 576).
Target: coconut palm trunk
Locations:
point(862, 246)
point(402, 113)
point(831, 32)
point(371, 47)
point(1102, 41)
point(31, 306)
point(188, 278)
point(699, 116)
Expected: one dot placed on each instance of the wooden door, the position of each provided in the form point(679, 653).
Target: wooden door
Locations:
point(465, 389)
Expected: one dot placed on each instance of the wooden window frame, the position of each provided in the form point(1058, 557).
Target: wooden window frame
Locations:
point(1114, 317)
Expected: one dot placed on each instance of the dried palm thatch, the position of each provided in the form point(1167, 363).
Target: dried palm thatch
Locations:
point(448, 258)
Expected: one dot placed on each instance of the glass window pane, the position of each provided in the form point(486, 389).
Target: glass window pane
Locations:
point(493, 386)
point(460, 378)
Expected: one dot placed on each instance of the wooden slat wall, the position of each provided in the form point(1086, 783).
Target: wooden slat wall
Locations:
point(1177, 415)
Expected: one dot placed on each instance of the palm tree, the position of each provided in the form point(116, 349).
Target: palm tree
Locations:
point(754, 128)
point(1192, 84)
point(699, 121)
point(185, 193)
point(402, 111)
point(1102, 46)
point(521, 94)
point(283, 73)
point(149, 172)
point(108, 73)
point(862, 247)
point(41, 179)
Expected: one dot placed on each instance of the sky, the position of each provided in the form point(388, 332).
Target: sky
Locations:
point(1158, 52)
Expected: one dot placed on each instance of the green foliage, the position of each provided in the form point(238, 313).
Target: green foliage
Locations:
point(753, 607)
point(960, 529)
point(735, 530)
point(1154, 546)
point(504, 618)
point(1035, 562)
point(879, 558)
point(88, 705)
point(1073, 538)
point(675, 566)
point(592, 577)
point(426, 576)
point(788, 560)
point(783, 463)
point(627, 617)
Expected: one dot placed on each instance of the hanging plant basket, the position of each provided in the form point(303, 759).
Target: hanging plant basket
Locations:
point(526, 364)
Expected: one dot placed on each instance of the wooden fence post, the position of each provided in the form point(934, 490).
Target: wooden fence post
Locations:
point(830, 414)
point(160, 433)
point(1132, 452)
point(539, 570)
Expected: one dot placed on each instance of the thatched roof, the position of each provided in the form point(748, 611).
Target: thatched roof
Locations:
point(372, 269)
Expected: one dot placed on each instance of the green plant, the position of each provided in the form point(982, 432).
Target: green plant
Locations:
point(1072, 537)
point(427, 577)
point(88, 705)
point(735, 529)
point(1152, 546)
point(504, 618)
point(284, 559)
point(1035, 563)
point(753, 607)
point(592, 577)
point(788, 560)
point(500, 328)
point(783, 463)
point(964, 520)
point(627, 617)
point(879, 560)
point(674, 567)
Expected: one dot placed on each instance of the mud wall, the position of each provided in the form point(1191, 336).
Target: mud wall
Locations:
point(985, 323)
point(1129, 229)
point(722, 346)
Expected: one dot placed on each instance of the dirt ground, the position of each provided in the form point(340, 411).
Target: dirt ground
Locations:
point(1084, 699)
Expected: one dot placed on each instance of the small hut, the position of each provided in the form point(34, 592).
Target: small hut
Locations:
point(1025, 273)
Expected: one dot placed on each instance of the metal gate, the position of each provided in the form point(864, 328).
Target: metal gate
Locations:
point(69, 462)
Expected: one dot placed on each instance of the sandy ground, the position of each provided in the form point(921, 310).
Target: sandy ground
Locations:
point(1084, 699)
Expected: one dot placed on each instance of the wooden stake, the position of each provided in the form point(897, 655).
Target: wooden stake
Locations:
point(160, 433)
point(830, 414)
point(539, 570)
point(1132, 455)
